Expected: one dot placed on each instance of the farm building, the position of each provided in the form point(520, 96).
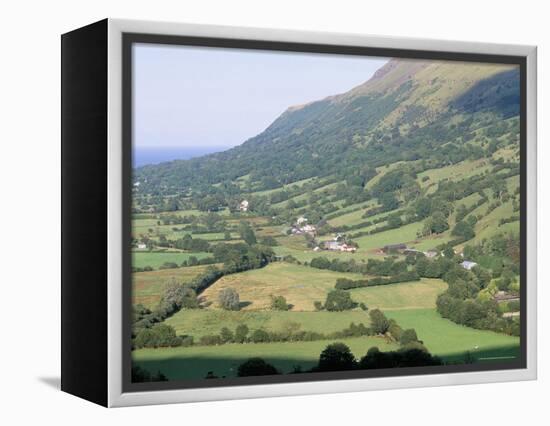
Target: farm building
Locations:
point(141, 246)
point(308, 229)
point(468, 265)
point(302, 227)
point(339, 246)
point(430, 253)
point(394, 247)
point(301, 220)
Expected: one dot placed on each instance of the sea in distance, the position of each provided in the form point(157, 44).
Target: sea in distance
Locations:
point(154, 155)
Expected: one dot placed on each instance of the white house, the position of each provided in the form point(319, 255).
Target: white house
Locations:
point(141, 246)
point(301, 220)
point(243, 206)
point(468, 265)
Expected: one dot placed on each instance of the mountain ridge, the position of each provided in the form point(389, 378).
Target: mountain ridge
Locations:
point(401, 103)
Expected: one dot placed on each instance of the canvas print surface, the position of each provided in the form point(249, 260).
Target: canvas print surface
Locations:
point(301, 213)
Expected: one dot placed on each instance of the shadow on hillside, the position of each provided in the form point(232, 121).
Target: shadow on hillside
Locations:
point(194, 368)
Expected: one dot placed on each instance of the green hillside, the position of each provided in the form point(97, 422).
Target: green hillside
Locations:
point(367, 200)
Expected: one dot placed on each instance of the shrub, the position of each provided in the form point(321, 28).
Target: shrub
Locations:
point(241, 332)
point(260, 336)
point(278, 303)
point(226, 335)
point(269, 241)
point(168, 265)
point(187, 341)
point(318, 305)
point(395, 330)
point(379, 323)
point(256, 367)
point(159, 335)
point(408, 336)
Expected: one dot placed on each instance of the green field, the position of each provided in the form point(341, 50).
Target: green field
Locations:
point(196, 362)
point(403, 234)
point(147, 287)
point(300, 285)
point(156, 259)
point(450, 341)
point(412, 295)
point(200, 322)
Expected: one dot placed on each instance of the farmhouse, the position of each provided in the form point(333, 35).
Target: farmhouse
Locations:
point(468, 265)
point(243, 206)
point(430, 253)
point(302, 227)
point(141, 246)
point(339, 246)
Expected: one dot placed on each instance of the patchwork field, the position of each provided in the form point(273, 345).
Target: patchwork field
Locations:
point(300, 285)
point(200, 322)
point(411, 141)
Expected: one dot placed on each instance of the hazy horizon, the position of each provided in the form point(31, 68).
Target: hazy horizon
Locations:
point(191, 97)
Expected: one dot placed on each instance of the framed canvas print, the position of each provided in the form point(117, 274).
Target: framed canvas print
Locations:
point(251, 212)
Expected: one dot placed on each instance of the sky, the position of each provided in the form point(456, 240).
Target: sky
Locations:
point(203, 97)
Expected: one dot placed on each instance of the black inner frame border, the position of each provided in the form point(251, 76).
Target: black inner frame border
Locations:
point(129, 39)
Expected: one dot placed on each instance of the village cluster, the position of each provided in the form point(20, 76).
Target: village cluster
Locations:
point(339, 243)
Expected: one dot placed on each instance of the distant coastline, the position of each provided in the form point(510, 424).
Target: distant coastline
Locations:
point(154, 155)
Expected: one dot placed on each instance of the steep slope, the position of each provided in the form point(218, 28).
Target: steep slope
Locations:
point(407, 109)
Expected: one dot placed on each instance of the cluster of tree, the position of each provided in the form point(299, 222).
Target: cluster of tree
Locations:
point(503, 248)
point(338, 265)
point(336, 301)
point(158, 336)
point(338, 357)
point(175, 296)
point(194, 261)
point(465, 228)
point(191, 244)
point(290, 332)
point(239, 257)
point(461, 302)
point(386, 267)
